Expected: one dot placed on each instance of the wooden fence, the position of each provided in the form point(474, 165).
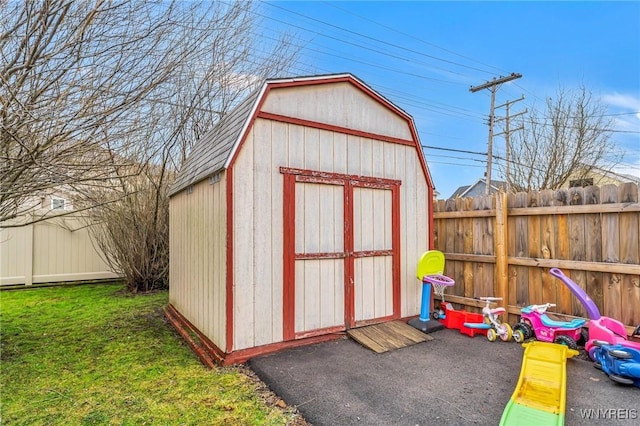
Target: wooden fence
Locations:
point(55, 250)
point(504, 245)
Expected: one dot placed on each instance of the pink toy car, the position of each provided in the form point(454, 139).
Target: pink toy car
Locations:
point(534, 322)
point(603, 329)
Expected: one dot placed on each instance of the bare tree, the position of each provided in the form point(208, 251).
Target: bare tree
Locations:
point(79, 79)
point(567, 140)
point(105, 99)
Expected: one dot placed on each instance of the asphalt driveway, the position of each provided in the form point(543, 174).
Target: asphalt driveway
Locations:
point(451, 380)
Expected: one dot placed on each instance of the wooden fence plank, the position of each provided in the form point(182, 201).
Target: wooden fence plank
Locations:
point(612, 283)
point(467, 267)
point(630, 253)
point(521, 249)
point(535, 251)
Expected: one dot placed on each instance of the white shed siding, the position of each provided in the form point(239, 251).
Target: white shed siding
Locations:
point(257, 222)
point(337, 105)
point(414, 200)
point(258, 188)
point(197, 237)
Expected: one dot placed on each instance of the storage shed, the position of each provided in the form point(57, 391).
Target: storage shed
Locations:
point(300, 215)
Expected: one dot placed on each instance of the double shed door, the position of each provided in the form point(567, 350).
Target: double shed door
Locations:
point(341, 248)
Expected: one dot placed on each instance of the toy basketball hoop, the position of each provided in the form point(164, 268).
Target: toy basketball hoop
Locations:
point(439, 283)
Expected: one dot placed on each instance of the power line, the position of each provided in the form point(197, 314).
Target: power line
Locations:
point(396, 46)
point(413, 37)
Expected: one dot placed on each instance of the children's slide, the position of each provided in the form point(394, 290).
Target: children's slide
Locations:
point(540, 395)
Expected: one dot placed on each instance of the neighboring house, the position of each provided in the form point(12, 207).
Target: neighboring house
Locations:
point(598, 177)
point(302, 214)
point(479, 188)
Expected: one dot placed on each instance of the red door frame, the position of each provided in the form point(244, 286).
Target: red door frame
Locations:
point(291, 176)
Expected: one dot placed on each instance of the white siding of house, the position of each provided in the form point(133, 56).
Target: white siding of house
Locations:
point(55, 250)
point(197, 238)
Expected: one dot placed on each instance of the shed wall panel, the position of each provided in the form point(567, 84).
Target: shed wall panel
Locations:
point(197, 251)
point(319, 294)
point(338, 105)
point(275, 144)
point(373, 290)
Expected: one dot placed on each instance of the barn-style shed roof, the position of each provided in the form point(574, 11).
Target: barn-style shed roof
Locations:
point(214, 151)
point(211, 152)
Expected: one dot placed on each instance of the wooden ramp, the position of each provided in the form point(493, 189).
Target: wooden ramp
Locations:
point(387, 336)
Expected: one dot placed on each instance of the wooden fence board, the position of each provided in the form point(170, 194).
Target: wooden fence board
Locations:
point(535, 279)
point(630, 253)
point(548, 249)
point(630, 299)
point(612, 295)
point(521, 250)
point(562, 252)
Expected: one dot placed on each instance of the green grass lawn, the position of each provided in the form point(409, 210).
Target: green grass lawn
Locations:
point(92, 355)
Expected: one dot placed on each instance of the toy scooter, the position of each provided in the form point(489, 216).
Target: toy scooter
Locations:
point(534, 322)
point(495, 328)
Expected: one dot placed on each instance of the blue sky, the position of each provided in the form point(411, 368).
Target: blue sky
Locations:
point(424, 57)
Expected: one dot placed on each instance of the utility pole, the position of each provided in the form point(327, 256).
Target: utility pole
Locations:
point(493, 87)
point(507, 133)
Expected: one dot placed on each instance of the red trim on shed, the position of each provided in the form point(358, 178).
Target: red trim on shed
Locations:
point(289, 249)
point(304, 175)
point(208, 352)
point(319, 332)
point(395, 246)
point(309, 256)
point(229, 283)
point(349, 261)
point(332, 128)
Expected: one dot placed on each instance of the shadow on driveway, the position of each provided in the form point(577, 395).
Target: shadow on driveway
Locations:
point(451, 380)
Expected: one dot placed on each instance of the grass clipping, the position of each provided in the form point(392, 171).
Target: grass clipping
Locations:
point(92, 355)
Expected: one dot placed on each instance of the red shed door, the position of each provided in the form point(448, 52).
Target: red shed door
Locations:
point(341, 252)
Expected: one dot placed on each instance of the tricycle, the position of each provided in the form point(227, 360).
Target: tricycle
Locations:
point(491, 322)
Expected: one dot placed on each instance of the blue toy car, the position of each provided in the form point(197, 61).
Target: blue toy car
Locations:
point(620, 363)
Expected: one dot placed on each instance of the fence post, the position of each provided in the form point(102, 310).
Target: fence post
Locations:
point(502, 283)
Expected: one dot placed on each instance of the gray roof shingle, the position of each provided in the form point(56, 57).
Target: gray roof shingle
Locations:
point(210, 153)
